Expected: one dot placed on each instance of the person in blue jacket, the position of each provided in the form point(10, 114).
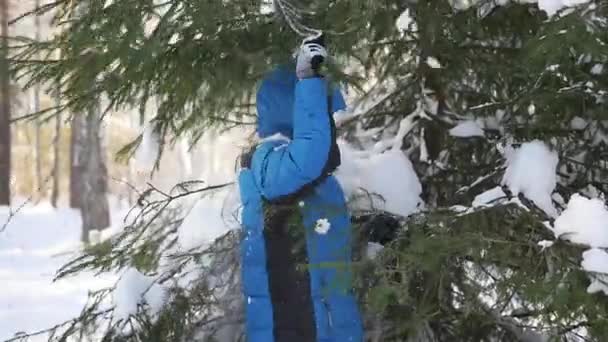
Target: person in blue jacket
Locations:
point(296, 246)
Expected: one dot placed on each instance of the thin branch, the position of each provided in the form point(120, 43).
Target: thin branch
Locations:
point(38, 11)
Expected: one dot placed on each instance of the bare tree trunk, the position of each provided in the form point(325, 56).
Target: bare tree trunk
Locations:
point(56, 156)
point(56, 145)
point(5, 110)
point(88, 178)
point(38, 151)
point(95, 209)
point(77, 160)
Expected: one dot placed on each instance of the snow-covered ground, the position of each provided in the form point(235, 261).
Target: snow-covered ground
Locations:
point(37, 241)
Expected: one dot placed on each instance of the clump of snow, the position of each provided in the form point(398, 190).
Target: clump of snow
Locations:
point(598, 284)
point(424, 151)
point(467, 129)
point(462, 5)
point(531, 170)
point(404, 21)
point(212, 216)
point(392, 176)
point(385, 181)
point(373, 249)
point(531, 109)
point(350, 171)
point(596, 260)
point(597, 69)
point(545, 244)
point(584, 221)
point(433, 62)
point(488, 197)
point(553, 6)
point(267, 7)
point(578, 123)
point(134, 289)
point(322, 226)
point(405, 126)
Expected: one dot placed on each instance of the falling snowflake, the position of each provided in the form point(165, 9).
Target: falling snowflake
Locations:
point(322, 226)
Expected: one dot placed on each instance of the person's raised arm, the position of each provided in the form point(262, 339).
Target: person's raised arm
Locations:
point(286, 170)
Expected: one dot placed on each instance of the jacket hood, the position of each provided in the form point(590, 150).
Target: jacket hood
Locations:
point(275, 101)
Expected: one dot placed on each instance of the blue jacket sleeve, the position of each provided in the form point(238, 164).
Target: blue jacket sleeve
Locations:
point(284, 170)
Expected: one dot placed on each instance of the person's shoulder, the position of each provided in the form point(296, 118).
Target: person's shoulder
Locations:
point(261, 150)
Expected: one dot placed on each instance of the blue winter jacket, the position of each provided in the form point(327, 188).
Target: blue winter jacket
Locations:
point(298, 109)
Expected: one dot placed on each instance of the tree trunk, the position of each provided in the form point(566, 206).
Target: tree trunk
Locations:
point(56, 145)
point(5, 110)
point(95, 209)
point(38, 152)
point(77, 160)
point(56, 156)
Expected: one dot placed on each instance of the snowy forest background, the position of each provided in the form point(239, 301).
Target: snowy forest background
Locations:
point(474, 147)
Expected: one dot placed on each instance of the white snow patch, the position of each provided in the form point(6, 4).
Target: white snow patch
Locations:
point(531, 170)
point(35, 244)
point(322, 226)
point(433, 62)
point(212, 216)
point(584, 221)
point(267, 7)
point(275, 137)
point(597, 69)
point(531, 109)
point(373, 249)
point(385, 181)
point(488, 197)
point(598, 284)
point(134, 289)
point(596, 260)
point(404, 21)
point(462, 5)
point(467, 129)
point(545, 244)
point(553, 6)
point(578, 123)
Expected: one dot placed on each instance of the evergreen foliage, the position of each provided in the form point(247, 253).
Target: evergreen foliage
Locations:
point(451, 274)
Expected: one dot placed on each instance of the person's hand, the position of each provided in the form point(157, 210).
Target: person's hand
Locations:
point(311, 55)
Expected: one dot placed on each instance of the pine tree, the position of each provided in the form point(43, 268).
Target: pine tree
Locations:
point(5, 111)
point(476, 274)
